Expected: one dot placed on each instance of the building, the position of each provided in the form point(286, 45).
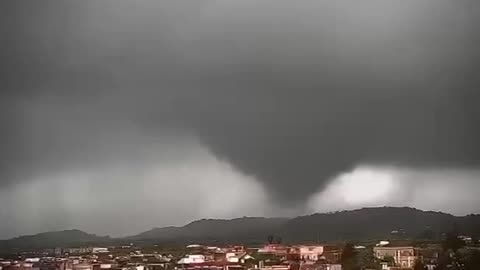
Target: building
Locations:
point(333, 267)
point(310, 253)
point(274, 249)
point(402, 256)
point(238, 257)
point(192, 259)
point(76, 251)
point(99, 250)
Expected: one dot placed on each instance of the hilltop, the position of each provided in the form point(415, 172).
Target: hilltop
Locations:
point(53, 239)
point(361, 224)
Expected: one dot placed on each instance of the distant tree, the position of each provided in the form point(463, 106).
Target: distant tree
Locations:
point(455, 261)
point(270, 239)
point(427, 234)
point(444, 261)
point(278, 240)
point(349, 259)
point(473, 261)
point(419, 265)
point(474, 240)
point(452, 242)
point(366, 259)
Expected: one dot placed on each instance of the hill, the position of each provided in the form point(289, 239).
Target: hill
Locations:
point(377, 223)
point(246, 229)
point(64, 238)
point(361, 224)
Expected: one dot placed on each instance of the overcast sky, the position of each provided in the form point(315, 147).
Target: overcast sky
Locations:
point(148, 113)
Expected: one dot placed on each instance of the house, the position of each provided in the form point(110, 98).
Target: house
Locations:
point(310, 253)
point(402, 256)
point(191, 259)
point(212, 266)
point(275, 249)
point(232, 257)
point(99, 250)
point(274, 267)
point(332, 254)
point(333, 267)
point(429, 255)
point(238, 257)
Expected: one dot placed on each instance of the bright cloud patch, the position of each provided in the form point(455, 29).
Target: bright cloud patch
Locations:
point(363, 186)
point(368, 186)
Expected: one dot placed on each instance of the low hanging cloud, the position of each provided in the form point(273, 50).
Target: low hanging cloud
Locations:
point(134, 198)
point(288, 95)
point(372, 186)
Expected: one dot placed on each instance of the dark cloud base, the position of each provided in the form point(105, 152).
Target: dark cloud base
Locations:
point(292, 95)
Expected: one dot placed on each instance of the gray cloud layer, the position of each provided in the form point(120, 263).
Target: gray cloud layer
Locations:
point(289, 94)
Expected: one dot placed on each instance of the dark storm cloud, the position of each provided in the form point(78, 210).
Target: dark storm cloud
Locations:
point(291, 94)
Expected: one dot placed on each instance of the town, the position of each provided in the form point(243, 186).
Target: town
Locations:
point(459, 251)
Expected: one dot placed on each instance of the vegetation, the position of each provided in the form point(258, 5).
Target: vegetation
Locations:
point(272, 239)
point(358, 225)
point(366, 259)
point(419, 265)
point(452, 242)
point(455, 257)
point(349, 257)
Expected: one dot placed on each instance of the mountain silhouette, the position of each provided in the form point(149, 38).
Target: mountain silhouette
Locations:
point(354, 225)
